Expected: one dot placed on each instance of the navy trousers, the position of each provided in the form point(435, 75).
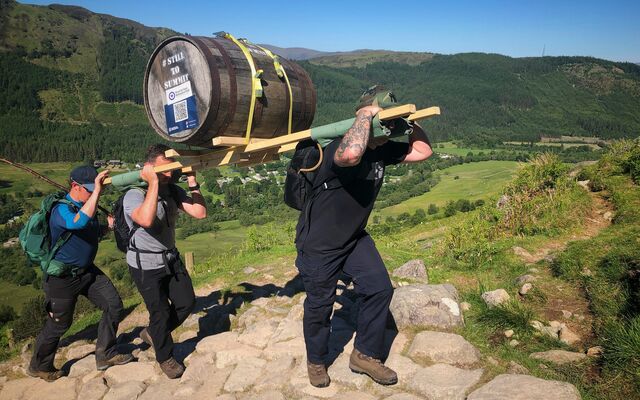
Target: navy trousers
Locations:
point(371, 280)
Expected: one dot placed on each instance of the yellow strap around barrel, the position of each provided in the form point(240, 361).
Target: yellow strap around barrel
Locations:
point(256, 85)
point(282, 74)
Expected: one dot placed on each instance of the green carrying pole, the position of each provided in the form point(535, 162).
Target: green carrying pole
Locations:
point(127, 179)
point(326, 133)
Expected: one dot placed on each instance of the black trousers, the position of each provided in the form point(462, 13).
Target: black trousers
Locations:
point(371, 280)
point(61, 295)
point(169, 298)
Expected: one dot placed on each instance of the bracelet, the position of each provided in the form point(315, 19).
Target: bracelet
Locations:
point(194, 188)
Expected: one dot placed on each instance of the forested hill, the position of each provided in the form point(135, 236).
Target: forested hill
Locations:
point(72, 88)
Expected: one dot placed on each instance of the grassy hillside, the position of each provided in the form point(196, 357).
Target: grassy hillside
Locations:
point(481, 180)
point(75, 76)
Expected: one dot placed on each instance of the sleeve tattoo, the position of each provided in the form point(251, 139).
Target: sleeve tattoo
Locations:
point(354, 142)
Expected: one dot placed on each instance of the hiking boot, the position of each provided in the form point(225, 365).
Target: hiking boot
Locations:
point(363, 364)
point(144, 335)
point(48, 376)
point(318, 376)
point(171, 368)
point(118, 359)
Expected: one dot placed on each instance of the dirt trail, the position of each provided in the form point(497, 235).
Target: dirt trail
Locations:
point(599, 217)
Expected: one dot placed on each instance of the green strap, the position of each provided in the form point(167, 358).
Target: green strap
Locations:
point(61, 240)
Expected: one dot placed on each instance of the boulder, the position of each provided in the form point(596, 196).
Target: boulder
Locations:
point(426, 305)
point(63, 388)
point(294, 348)
point(525, 289)
point(220, 341)
point(245, 374)
point(515, 368)
point(161, 390)
point(404, 367)
point(355, 395)
point(258, 334)
point(198, 368)
point(444, 382)
point(234, 355)
point(79, 351)
point(524, 387)
point(414, 269)
point(568, 336)
point(132, 372)
point(125, 391)
point(265, 395)
point(275, 373)
point(440, 347)
point(403, 396)
point(93, 389)
point(559, 356)
point(82, 367)
point(595, 351)
point(495, 297)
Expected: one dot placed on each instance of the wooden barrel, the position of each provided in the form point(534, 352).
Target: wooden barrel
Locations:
point(197, 88)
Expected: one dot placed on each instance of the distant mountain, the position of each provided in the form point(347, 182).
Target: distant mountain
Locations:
point(355, 58)
point(297, 53)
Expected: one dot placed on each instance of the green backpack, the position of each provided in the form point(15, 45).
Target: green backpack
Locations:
point(35, 237)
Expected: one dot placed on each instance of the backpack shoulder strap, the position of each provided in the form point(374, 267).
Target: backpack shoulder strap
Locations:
point(173, 191)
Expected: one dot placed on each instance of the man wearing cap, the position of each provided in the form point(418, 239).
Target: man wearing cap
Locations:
point(82, 278)
point(331, 239)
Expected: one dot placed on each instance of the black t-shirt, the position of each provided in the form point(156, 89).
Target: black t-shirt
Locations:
point(338, 215)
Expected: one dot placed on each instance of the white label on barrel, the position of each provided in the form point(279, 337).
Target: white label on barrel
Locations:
point(179, 93)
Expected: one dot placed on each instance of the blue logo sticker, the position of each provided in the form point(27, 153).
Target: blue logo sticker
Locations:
point(181, 115)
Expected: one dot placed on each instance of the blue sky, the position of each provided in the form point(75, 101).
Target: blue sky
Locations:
point(609, 30)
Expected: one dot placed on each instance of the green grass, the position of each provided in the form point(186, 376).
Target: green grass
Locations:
point(208, 244)
point(14, 295)
point(558, 144)
point(480, 180)
point(452, 148)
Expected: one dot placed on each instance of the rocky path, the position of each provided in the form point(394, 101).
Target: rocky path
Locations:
point(262, 356)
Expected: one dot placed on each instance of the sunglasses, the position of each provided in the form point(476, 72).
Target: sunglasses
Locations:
point(81, 185)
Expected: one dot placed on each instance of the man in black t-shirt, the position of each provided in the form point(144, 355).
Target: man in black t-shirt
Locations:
point(331, 239)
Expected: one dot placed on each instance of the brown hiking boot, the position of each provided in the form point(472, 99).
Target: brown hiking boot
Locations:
point(118, 359)
point(144, 335)
point(363, 364)
point(48, 376)
point(171, 368)
point(318, 376)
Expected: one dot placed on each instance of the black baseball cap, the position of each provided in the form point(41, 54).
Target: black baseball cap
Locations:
point(84, 175)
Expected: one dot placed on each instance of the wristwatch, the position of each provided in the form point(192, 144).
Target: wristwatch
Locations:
point(193, 188)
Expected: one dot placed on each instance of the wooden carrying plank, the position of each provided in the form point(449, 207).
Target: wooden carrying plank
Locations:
point(397, 112)
point(233, 141)
point(424, 113)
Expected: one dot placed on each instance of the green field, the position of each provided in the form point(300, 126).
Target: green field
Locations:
point(203, 245)
point(14, 180)
point(14, 295)
point(558, 144)
point(451, 148)
point(479, 180)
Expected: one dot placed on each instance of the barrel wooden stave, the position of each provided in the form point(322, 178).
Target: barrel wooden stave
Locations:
point(222, 88)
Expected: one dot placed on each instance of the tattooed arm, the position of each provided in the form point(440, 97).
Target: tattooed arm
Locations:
point(354, 143)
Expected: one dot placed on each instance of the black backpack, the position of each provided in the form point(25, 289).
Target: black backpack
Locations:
point(301, 173)
point(120, 228)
